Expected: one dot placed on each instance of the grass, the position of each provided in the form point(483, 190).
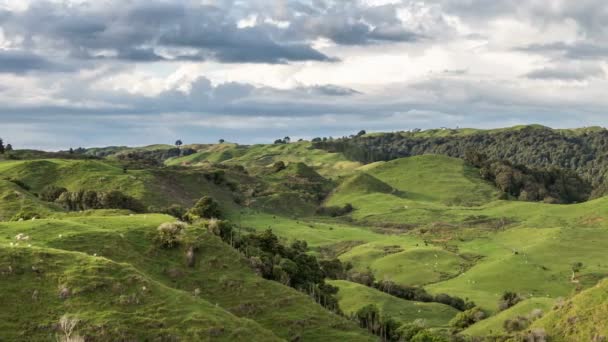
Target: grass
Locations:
point(582, 318)
point(494, 324)
point(261, 156)
point(353, 297)
point(428, 221)
point(221, 275)
point(112, 301)
point(156, 187)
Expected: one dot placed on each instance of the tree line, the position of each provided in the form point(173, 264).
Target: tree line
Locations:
point(536, 148)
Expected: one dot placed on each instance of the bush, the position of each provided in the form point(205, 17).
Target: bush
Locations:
point(508, 299)
point(366, 277)
point(174, 210)
point(467, 318)
point(516, 324)
point(279, 166)
point(51, 193)
point(90, 199)
point(335, 211)
point(206, 207)
point(170, 234)
point(25, 215)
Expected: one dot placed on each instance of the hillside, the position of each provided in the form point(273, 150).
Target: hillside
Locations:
point(428, 230)
point(580, 150)
point(581, 318)
point(221, 277)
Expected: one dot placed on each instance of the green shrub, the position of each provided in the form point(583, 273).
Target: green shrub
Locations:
point(467, 318)
point(50, 193)
point(170, 234)
point(206, 207)
point(508, 299)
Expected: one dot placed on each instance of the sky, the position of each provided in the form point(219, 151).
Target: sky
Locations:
point(136, 72)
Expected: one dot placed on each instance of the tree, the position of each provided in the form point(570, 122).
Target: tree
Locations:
point(9, 147)
point(71, 151)
point(178, 143)
point(368, 317)
point(51, 193)
point(508, 299)
point(467, 318)
point(2, 149)
point(222, 141)
point(206, 207)
point(287, 140)
point(361, 133)
point(279, 141)
point(279, 166)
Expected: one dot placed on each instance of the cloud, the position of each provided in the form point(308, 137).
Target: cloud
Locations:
point(20, 62)
point(568, 73)
point(139, 30)
point(577, 51)
point(137, 72)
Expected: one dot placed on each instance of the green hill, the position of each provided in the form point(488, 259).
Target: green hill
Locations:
point(495, 324)
point(105, 300)
point(435, 178)
point(353, 297)
point(581, 318)
point(221, 275)
point(428, 221)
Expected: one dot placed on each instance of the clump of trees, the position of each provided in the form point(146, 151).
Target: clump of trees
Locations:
point(533, 146)
point(508, 299)
point(467, 318)
point(389, 330)
point(205, 208)
point(421, 295)
point(552, 185)
point(335, 211)
point(370, 318)
point(520, 323)
point(51, 193)
point(90, 199)
point(290, 264)
point(285, 140)
point(169, 234)
point(151, 158)
point(6, 149)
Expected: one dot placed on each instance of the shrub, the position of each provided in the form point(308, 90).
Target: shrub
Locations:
point(467, 318)
point(170, 234)
point(508, 299)
point(90, 199)
point(24, 215)
point(206, 207)
point(516, 324)
point(335, 211)
point(366, 277)
point(50, 193)
point(174, 210)
point(279, 166)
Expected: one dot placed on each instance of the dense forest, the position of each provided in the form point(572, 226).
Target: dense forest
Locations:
point(531, 147)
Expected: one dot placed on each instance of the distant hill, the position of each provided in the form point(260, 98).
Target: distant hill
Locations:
point(581, 150)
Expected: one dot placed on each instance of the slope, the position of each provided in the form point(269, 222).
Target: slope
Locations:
point(221, 275)
point(107, 301)
point(354, 296)
point(584, 317)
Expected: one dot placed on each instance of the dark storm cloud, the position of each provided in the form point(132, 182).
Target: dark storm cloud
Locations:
point(149, 31)
point(136, 30)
